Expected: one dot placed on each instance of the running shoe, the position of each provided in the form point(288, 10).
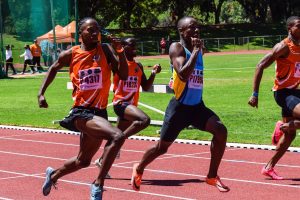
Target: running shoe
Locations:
point(98, 163)
point(96, 192)
point(271, 173)
point(136, 179)
point(48, 182)
point(217, 183)
point(277, 134)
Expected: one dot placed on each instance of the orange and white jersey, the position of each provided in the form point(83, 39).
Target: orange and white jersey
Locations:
point(90, 75)
point(128, 91)
point(288, 69)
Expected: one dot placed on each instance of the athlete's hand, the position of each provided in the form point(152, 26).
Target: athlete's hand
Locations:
point(253, 101)
point(156, 69)
point(42, 101)
point(116, 43)
point(196, 43)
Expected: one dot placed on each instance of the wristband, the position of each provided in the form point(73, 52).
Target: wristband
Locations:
point(153, 72)
point(255, 94)
point(120, 50)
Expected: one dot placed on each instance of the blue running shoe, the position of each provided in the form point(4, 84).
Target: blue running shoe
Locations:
point(48, 182)
point(96, 192)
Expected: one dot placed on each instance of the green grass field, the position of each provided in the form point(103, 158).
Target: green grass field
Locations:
point(227, 87)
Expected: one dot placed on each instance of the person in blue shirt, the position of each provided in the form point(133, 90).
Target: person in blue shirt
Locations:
point(187, 107)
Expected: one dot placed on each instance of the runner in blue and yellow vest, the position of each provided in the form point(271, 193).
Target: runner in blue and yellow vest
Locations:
point(187, 106)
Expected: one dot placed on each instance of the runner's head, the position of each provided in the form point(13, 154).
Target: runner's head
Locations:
point(129, 45)
point(293, 27)
point(89, 31)
point(188, 27)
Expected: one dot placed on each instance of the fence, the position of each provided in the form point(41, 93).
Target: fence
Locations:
point(212, 44)
point(220, 44)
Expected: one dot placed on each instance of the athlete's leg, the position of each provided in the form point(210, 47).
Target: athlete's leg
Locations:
point(88, 147)
point(139, 119)
point(100, 128)
point(218, 143)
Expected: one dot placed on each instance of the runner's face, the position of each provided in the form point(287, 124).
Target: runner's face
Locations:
point(90, 32)
point(295, 30)
point(130, 48)
point(190, 29)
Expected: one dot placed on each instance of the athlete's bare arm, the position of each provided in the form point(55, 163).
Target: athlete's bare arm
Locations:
point(147, 83)
point(177, 56)
point(118, 63)
point(280, 50)
point(64, 59)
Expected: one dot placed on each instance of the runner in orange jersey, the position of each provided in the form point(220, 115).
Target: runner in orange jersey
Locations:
point(131, 119)
point(90, 70)
point(286, 54)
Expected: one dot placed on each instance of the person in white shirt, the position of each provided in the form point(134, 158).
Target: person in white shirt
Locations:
point(27, 59)
point(9, 60)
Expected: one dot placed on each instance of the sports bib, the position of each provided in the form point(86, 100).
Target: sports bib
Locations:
point(90, 79)
point(131, 84)
point(297, 70)
point(196, 79)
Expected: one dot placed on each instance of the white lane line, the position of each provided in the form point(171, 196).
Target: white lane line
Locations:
point(166, 156)
point(3, 198)
point(105, 187)
point(40, 141)
point(195, 142)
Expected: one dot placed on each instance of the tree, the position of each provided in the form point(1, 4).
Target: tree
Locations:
point(255, 9)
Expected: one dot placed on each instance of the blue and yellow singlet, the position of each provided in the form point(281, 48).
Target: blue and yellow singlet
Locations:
point(190, 92)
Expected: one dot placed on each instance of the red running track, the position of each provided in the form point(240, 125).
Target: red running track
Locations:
point(179, 174)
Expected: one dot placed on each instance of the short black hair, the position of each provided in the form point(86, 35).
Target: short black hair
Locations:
point(82, 21)
point(182, 20)
point(291, 21)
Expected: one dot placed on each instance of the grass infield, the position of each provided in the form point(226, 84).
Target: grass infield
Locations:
point(227, 88)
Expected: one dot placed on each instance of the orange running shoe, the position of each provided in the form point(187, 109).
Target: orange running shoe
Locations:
point(277, 134)
point(217, 183)
point(136, 179)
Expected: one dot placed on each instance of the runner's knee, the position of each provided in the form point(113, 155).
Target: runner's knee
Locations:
point(221, 132)
point(119, 138)
point(143, 121)
point(161, 149)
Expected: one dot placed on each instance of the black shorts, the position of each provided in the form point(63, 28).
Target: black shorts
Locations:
point(82, 113)
point(179, 116)
point(36, 60)
point(287, 99)
point(120, 109)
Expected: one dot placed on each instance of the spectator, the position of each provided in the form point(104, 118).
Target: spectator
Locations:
point(9, 60)
point(27, 59)
point(36, 52)
point(163, 45)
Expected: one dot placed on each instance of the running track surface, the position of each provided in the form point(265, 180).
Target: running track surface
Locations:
point(179, 174)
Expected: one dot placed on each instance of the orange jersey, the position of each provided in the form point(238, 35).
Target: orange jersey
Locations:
point(288, 69)
point(128, 91)
point(35, 50)
point(90, 75)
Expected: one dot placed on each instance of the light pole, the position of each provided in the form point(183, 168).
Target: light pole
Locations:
point(53, 29)
point(76, 26)
point(1, 43)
